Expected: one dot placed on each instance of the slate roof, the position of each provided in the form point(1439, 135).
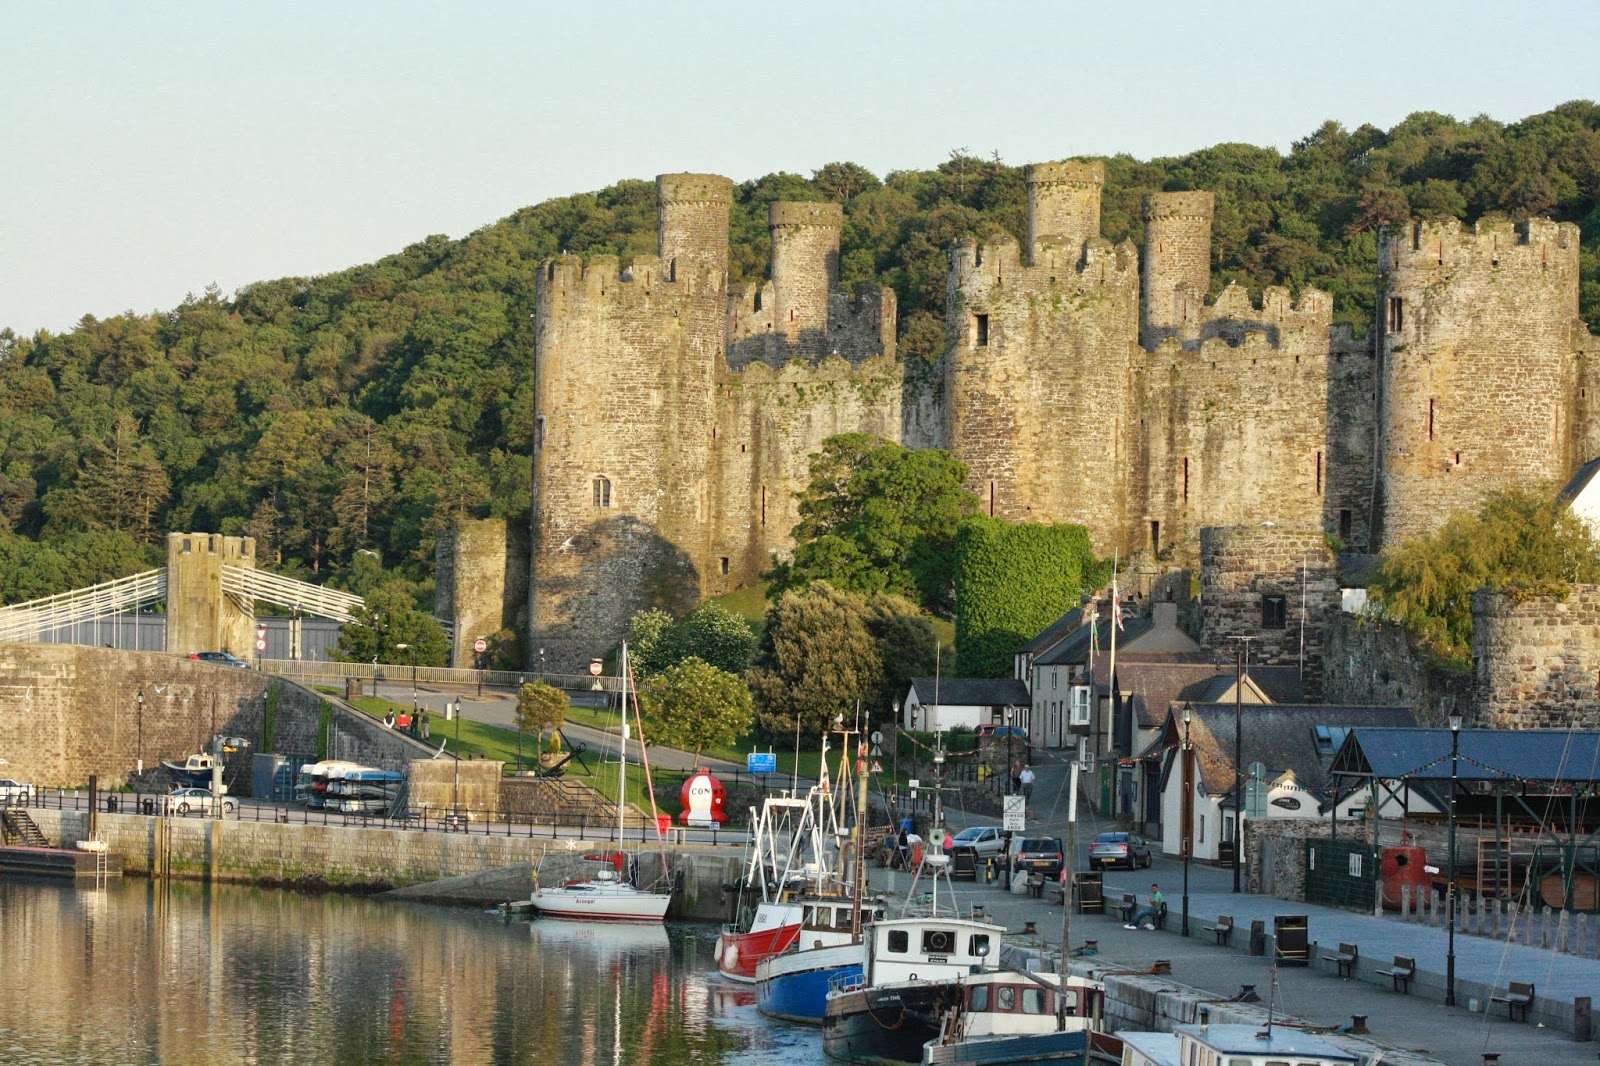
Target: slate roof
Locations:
point(972, 691)
point(1281, 736)
point(1075, 649)
point(1548, 755)
point(1580, 481)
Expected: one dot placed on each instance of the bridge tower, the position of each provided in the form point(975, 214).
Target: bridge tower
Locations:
point(200, 615)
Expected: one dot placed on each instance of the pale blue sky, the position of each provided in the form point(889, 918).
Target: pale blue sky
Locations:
point(154, 148)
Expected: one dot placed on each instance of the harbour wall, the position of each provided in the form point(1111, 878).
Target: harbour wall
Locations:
point(364, 859)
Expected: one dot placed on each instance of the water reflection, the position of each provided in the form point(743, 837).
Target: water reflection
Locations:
point(149, 973)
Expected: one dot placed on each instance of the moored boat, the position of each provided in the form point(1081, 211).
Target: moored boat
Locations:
point(793, 986)
point(1005, 1016)
point(1237, 1045)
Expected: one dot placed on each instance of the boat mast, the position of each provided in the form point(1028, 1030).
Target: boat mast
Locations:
point(860, 835)
point(622, 758)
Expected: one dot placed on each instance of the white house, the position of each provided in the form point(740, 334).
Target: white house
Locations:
point(945, 703)
point(1293, 743)
point(1582, 494)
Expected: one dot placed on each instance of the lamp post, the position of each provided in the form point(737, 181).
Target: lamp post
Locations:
point(1011, 776)
point(1188, 811)
point(1450, 890)
point(138, 699)
point(894, 764)
point(1241, 662)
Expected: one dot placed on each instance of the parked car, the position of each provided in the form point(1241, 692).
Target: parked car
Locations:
point(194, 801)
point(986, 840)
point(13, 793)
point(221, 658)
point(1117, 849)
point(1002, 731)
point(1043, 855)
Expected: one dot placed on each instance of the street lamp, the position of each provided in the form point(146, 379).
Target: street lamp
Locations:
point(1011, 769)
point(1188, 811)
point(139, 699)
point(412, 654)
point(894, 764)
point(1450, 890)
point(1241, 662)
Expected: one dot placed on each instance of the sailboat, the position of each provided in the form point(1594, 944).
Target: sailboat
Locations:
point(608, 894)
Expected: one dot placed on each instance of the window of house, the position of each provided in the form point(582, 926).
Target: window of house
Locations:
point(1274, 612)
point(1397, 314)
point(980, 330)
point(602, 492)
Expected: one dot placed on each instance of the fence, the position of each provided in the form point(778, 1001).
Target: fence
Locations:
point(583, 827)
point(313, 672)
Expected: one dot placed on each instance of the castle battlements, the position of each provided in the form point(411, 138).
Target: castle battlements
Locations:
point(609, 277)
point(996, 265)
point(1494, 242)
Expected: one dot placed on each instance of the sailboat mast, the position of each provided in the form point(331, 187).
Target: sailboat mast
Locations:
point(622, 758)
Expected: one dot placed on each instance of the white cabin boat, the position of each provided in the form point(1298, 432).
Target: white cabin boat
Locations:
point(1233, 1045)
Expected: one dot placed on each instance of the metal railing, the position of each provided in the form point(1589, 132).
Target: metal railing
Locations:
point(251, 584)
point(30, 620)
point(470, 821)
point(312, 672)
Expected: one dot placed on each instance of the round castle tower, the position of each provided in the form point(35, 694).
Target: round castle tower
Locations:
point(1063, 204)
point(1477, 340)
point(693, 228)
point(1177, 263)
point(805, 268)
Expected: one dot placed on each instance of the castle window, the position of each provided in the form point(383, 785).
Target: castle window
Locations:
point(724, 566)
point(1458, 458)
point(758, 301)
point(763, 505)
point(1433, 410)
point(1319, 473)
point(991, 498)
point(1185, 479)
point(538, 432)
point(1397, 314)
point(980, 330)
point(1345, 523)
point(1274, 612)
point(602, 492)
point(1155, 537)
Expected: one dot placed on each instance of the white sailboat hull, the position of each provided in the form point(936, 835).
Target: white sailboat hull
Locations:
point(601, 901)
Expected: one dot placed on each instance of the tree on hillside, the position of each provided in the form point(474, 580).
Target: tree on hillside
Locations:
point(1013, 581)
point(879, 517)
point(1524, 542)
point(824, 649)
point(711, 633)
point(541, 707)
point(693, 706)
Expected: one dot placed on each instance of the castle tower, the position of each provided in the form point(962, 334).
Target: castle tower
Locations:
point(1478, 336)
point(1177, 264)
point(693, 228)
point(200, 615)
point(805, 270)
point(1063, 206)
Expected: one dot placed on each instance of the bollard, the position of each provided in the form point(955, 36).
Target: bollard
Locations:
point(1358, 1023)
point(1247, 994)
point(1028, 929)
point(1582, 1022)
point(1491, 1058)
point(1258, 938)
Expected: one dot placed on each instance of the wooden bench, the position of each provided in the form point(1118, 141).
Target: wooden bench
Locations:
point(1223, 929)
point(1344, 958)
point(1518, 996)
point(1403, 970)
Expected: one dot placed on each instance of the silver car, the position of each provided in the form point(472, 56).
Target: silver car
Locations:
point(14, 793)
point(194, 801)
point(985, 840)
point(1117, 849)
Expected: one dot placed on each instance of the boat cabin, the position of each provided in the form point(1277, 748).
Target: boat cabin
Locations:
point(1007, 1003)
point(909, 949)
point(1232, 1045)
point(833, 916)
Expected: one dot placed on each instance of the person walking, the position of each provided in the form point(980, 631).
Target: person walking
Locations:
point(1026, 779)
point(1148, 914)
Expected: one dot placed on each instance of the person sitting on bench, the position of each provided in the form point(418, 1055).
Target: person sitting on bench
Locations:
point(1147, 914)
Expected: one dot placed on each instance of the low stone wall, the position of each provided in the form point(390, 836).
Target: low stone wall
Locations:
point(360, 859)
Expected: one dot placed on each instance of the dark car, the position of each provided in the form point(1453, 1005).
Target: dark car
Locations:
point(1117, 849)
point(1043, 855)
point(221, 658)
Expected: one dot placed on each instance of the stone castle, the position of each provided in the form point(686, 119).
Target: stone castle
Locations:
point(1081, 382)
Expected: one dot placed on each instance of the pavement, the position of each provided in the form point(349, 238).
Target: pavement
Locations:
point(1416, 1022)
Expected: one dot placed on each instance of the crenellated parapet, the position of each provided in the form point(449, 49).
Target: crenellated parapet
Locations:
point(1177, 264)
point(1063, 206)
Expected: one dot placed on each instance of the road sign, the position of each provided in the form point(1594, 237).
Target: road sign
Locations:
point(595, 667)
point(261, 644)
point(757, 762)
point(877, 767)
point(261, 632)
point(480, 645)
point(915, 783)
point(1016, 816)
point(877, 737)
point(876, 751)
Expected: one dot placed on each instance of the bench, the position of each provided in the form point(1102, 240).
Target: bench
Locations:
point(1344, 958)
point(1403, 970)
point(1517, 996)
point(1223, 929)
point(1126, 906)
point(1054, 891)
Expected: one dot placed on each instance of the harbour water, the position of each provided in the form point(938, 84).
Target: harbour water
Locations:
point(143, 972)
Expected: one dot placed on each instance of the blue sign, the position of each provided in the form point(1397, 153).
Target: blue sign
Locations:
point(759, 763)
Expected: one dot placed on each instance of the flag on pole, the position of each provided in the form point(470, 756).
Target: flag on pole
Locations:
point(1091, 615)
